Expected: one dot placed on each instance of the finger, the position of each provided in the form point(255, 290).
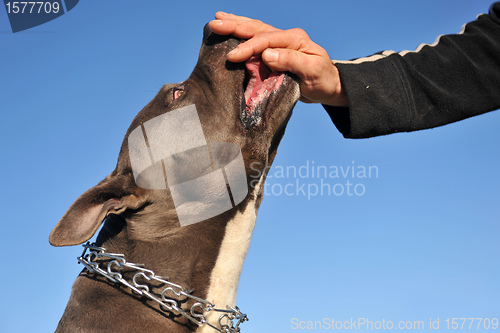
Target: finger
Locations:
point(286, 60)
point(220, 15)
point(223, 15)
point(239, 26)
point(294, 39)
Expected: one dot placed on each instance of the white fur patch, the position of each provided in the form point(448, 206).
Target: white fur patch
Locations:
point(226, 273)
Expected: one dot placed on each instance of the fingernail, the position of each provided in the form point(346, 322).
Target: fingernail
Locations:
point(217, 22)
point(234, 51)
point(271, 55)
point(223, 13)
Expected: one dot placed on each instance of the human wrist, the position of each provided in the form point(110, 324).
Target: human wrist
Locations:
point(337, 95)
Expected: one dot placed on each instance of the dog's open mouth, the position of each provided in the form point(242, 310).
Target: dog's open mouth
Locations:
point(260, 83)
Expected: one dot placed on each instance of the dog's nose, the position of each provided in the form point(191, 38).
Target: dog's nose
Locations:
point(207, 32)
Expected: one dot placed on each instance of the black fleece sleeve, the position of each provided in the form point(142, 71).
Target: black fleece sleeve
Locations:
point(457, 78)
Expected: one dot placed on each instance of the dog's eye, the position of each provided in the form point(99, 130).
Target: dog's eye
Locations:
point(178, 93)
point(173, 93)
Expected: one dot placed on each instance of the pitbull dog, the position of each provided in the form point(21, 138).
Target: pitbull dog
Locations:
point(243, 104)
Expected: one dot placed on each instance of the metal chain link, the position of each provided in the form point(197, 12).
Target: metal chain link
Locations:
point(226, 320)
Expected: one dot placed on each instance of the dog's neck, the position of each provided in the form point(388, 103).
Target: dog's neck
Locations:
point(225, 275)
point(209, 261)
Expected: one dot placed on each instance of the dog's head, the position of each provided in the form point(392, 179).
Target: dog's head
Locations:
point(229, 114)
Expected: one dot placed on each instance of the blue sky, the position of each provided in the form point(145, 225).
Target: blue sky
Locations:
point(420, 243)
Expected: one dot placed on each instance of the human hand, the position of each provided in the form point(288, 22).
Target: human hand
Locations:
point(285, 50)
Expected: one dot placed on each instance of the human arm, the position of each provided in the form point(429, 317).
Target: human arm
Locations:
point(457, 78)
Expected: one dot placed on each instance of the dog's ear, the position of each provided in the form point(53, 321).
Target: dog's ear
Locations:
point(86, 214)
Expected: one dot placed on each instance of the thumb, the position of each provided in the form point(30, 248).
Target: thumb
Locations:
point(285, 60)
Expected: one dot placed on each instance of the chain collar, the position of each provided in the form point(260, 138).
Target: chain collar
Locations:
point(141, 282)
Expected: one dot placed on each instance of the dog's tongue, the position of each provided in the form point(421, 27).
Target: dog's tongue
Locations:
point(263, 81)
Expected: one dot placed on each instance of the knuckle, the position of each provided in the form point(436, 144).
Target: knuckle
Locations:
point(300, 32)
point(300, 38)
